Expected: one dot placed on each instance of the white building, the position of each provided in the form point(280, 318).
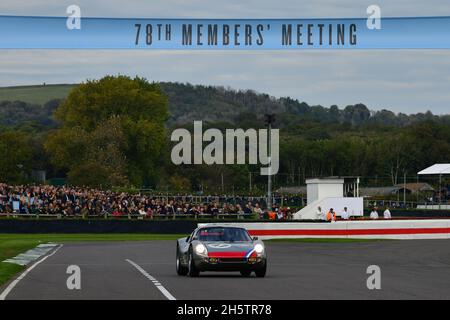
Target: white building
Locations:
point(335, 193)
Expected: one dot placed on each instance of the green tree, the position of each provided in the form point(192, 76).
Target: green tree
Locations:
point(15, 156)
point(112, 132)
point(179, 183)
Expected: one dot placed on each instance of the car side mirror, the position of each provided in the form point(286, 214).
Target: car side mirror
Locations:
point(255, 238)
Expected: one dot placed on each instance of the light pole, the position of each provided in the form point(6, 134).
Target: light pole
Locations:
point(440, 190)
point(404, 188)
point(269, 119)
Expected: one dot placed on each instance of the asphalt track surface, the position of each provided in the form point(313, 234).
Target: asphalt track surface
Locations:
point(413, 269)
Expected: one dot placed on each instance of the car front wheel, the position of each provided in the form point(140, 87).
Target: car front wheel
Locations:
point(261, 273)
point(193, 271)
point(181, 270)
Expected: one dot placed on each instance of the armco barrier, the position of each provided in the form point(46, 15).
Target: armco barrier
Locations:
point(381, 229)
point(393, 229)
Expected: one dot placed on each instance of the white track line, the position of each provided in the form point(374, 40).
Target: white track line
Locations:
point(152, 279)
point(16, 281)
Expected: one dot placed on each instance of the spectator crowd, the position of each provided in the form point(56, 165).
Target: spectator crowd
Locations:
point(77, 201)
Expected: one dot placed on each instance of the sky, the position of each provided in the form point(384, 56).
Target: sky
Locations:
point(408, 81)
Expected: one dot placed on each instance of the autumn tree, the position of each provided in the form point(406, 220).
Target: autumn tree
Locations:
point(112, 132)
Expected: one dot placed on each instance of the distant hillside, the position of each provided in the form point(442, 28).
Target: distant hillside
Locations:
point(213, 104)
point(39, 94)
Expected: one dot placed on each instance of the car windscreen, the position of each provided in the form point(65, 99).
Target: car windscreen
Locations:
point(223, 234)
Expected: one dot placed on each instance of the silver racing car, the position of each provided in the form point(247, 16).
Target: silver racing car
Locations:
point(217, 248)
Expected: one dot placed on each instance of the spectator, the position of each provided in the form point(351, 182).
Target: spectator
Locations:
point(374, 214)
point(248, 209)
point(258, 211)
point(85, 202)
point(319, 213)
point(345, 215)
point(280, 215)
point(387, 213)
point(331, 215)
point(272, 215)
point(286, 213)
point(142, 211)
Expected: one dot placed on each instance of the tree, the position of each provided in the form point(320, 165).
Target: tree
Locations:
point(179, 183)
point(112, 130)
point(15, 156)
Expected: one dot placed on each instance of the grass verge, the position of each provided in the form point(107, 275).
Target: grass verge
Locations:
point(8, 249)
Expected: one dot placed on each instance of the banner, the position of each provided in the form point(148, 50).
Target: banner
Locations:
point(18, 32)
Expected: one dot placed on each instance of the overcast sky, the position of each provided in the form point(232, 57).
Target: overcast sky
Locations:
point(407, 81)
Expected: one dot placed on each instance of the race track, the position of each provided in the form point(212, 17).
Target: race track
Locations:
point(414, 269)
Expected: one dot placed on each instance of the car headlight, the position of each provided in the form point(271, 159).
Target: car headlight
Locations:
point(200, 249)
point(259, 248)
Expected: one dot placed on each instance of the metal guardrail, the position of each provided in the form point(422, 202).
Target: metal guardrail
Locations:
point(293, 201)
point(220, 216)
point(200, 217)
point(395, 204)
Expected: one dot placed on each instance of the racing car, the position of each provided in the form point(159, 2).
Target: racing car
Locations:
point(220, 248)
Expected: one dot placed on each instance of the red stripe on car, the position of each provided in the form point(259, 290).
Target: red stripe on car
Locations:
point(227, 254)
